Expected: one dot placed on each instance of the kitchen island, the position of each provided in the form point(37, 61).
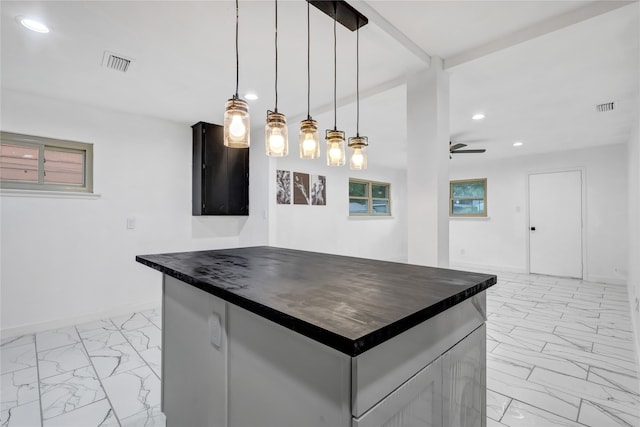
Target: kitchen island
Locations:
point(272, 337)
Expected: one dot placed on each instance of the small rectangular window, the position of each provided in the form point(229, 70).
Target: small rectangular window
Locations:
point(368, 198)
point(468, 198)
point(36, 163)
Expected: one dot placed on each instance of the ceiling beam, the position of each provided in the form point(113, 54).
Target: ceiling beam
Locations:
point(536, 30)
point(392, 31)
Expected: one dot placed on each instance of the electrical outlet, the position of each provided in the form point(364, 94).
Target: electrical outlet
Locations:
point(461, 251)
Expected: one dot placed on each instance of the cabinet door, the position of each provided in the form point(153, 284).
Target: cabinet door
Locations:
point(464, 381)
point(238, 181)
point(194, 381)
point(215, 184)
point(416, 403)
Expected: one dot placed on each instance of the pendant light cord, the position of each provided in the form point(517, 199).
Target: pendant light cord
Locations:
point(335, 68)
point(358, 80)
point(276, 38)
point(308, 63)
point(237, 58)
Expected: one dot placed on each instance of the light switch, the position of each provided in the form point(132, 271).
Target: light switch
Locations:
point(215, 326)
point(131, 223)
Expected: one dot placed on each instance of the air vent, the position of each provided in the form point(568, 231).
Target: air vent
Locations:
point(607, 106)
point(116, 62)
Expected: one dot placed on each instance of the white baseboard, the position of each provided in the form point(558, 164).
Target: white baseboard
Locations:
point(70, 321)
point(485, 267)
point(609, 280)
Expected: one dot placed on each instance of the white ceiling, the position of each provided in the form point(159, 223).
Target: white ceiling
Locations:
point(536, 68)
point(450, 28)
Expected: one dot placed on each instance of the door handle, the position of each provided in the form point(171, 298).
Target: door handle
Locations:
point(533, 229)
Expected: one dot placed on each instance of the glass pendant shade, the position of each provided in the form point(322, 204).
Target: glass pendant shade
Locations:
point(276, 135)
point(335, 147)
point(358, 152)
point(236, 124)
point(309, 139)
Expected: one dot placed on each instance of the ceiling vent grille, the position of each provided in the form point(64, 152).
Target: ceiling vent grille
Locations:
point(607, 106)
point(116, 62)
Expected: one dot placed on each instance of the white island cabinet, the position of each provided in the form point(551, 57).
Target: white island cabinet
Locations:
point(238, 359)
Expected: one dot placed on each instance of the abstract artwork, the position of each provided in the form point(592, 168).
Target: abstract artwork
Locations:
point(301, 194)
point(318, 190)
point(283, 187)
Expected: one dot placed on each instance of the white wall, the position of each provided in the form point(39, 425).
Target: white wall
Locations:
point(64, 260)
point(633, 281)
point(329, 228)
point(501, 241)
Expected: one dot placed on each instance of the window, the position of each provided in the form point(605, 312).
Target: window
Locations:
point(369, 198)
point(36, 163)
point(468, 198)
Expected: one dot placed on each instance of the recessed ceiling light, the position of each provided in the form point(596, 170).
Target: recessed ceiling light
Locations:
point(478, 116)
point(28, 156)
point(518, 144)
point(33, 25)
point(250, 96)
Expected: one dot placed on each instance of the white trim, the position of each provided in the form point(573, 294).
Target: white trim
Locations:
point(466, 266)
point(76, 320)
point(366, 217)
point(470, 218)
point(607, 280)
point(12, 192)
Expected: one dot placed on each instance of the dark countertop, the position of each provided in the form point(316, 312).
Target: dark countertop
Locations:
point(349, 304)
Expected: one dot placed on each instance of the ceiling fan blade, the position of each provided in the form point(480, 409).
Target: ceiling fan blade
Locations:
point(469, 151)
point(456, 146)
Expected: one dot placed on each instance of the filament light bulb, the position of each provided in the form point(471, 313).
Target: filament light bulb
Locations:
point(309, 143)
point(276, 135)
point(276, 141)
point(358, 152)
point(237, 128)
point(236, 124)
point(335, 147)
point(309, 139)
point(335, 152)
point(357, 157)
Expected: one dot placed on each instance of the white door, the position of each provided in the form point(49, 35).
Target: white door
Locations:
point(555, 224)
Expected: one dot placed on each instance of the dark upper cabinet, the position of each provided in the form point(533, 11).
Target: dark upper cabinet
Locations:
point(220, 174)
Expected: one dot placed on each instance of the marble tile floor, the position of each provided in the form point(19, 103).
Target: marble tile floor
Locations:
point(104, 373)
point(559, 353)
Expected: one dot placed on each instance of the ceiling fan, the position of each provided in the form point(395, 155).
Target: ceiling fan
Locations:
point(456, 149)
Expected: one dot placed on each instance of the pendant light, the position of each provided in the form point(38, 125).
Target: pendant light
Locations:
point(335, 137)
point(236, 114)
point(276, 131)
point(309, 137)
point(358, 144)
